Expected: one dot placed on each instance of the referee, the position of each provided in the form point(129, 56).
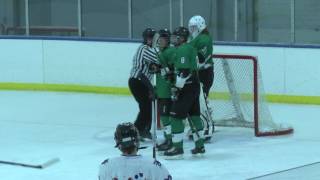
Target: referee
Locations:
point(139, 82)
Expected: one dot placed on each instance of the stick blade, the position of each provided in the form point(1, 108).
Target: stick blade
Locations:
point(36, 166)
point(49, 163)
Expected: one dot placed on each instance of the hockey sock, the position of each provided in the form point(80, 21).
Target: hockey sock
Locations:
point(177, 128)
point(197, 130)
point(166, 126)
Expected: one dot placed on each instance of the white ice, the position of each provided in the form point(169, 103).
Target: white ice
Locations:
point(78, 128)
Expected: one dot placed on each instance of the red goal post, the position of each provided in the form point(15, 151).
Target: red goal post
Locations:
point(239, 89)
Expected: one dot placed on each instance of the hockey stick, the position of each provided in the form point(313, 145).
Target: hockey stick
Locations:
point(193, 127)
point(206, 115)
point(36, 166)
point(154, 100)
point(155, 43)
point(143, 147)
point(155, 40)
point(283, 171)
point(154, 118)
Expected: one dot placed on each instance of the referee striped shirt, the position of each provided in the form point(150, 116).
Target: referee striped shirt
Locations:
point(144, 56)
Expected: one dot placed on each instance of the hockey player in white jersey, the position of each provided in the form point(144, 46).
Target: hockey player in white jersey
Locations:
point(130, 165)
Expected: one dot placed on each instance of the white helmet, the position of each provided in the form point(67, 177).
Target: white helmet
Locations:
point(196, 25)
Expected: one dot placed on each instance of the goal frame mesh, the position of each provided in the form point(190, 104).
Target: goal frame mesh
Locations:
point(256, 92)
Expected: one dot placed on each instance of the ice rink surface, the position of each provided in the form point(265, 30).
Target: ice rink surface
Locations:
point(78, 129)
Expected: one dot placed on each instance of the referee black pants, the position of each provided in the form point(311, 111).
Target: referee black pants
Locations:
point(141, 94)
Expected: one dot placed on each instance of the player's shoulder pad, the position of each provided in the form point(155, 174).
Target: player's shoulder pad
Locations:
point(157, 163)
point(105, 161)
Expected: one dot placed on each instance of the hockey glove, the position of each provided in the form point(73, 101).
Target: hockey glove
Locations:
point(154, 68)
point(201, 58)
point(164, 71)
point(180, 81)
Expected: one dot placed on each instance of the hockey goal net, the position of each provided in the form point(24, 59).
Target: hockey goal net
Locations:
point(238, 98)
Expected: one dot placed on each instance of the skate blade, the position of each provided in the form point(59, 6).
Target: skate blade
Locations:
point(207, 141)
point(160, 153)
point(207, 138)
point(199, 155)
point(176, 157)
point(146, 140)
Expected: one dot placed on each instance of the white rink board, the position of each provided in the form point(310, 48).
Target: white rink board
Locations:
point(21, 61)
point(288, 71)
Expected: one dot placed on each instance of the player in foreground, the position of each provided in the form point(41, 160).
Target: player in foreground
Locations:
point(130, 165)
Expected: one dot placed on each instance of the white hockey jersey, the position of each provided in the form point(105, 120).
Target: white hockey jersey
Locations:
point(133, 168)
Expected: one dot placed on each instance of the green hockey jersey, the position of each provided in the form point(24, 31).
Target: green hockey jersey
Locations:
point(185, 58)
point(163, 86)
point(204, 46)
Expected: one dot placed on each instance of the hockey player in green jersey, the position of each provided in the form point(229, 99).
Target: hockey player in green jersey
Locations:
point(185, 96)
point(163, 86)
point(202, 41)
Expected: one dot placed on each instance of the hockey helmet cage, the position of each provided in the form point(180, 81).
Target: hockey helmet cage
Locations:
point(181, 32)
point(126, 135)
point(165, 33)
point(196, 25)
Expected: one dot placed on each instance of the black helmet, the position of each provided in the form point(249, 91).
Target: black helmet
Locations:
point(165, 33)
point(181, 32)
point(126, 136)
point(148, 33)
